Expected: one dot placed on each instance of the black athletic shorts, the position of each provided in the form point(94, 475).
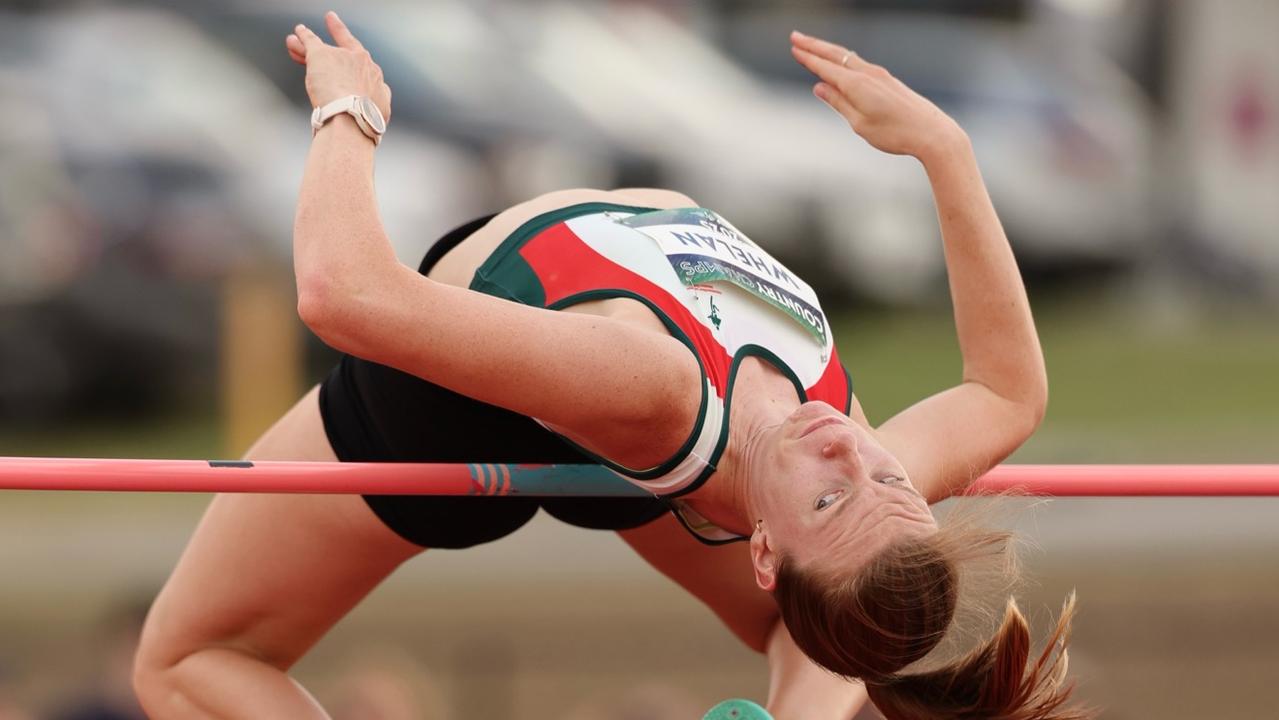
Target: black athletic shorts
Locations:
point(373, 413)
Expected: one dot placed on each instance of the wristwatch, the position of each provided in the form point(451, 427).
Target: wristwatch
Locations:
point(360, 107)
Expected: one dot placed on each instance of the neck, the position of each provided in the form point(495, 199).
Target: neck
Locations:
point(762, 398)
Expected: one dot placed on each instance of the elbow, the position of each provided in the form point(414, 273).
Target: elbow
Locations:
point(1034, 415)
point(1028, 389)
point(1034, 402)
point(327, 310)
point(315, 305)
point(1041, 406)
point(1025, 395)
point(349, 313)
point(1038, 400)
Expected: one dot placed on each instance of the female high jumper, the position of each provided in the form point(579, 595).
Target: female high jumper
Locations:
point(633, 329)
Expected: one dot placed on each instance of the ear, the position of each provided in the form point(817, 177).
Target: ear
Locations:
point(764, 559)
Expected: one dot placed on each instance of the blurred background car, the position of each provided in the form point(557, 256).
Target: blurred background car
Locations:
point(157, 187)
point(784, 167)
point(1064, 137)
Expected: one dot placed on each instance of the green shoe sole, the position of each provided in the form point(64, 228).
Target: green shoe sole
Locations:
point(737, 710)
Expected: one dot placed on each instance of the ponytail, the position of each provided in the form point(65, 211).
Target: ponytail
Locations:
point(906, 624)
point(993, 682)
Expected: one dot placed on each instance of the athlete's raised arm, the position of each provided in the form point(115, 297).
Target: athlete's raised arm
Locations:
point(597, 379)
point(948, 440)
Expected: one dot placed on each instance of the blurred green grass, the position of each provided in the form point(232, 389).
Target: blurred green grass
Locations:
point(1206, 389)
point(1123, 390)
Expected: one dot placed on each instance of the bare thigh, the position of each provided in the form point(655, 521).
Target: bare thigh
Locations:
point(268, 575)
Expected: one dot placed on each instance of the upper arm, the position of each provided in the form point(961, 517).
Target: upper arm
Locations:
point(600, 379)
point(950, 439)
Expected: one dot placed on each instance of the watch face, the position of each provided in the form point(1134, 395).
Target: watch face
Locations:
point(373, 115)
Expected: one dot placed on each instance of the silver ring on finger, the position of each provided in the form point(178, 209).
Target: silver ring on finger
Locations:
point(844, 61)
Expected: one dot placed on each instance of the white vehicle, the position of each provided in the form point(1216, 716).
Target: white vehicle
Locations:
point(170, 92)
point(148, 164)
point(1063, 136)
point(786, 169)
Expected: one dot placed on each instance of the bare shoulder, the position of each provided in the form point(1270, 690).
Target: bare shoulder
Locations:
point(511, 218)
point(458, 265)
point(657, 197)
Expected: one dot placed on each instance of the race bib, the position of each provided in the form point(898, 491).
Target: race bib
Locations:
point(704, 248)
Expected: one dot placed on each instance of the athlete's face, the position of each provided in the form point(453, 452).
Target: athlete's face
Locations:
point(829, 494)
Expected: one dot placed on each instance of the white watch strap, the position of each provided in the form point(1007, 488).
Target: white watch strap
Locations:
point(346, 104)
point(322, 114)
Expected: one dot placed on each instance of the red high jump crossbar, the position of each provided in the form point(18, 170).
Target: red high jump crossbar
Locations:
point(479, 479)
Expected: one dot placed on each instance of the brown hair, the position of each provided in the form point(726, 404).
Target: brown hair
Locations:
point(896, 612)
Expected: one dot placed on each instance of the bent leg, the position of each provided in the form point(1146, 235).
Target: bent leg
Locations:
point(263, 578)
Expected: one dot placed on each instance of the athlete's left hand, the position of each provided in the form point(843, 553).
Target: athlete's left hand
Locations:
point(878, 106)
point(344, 68)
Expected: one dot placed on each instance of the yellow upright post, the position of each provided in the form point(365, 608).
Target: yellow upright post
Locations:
point(261, 348)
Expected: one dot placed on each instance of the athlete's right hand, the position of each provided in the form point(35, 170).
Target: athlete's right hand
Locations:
point(878, 106)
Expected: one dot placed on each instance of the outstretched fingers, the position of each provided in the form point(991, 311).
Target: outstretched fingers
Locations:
point(838, 103)
point(842, 84)
point(832, 73)
point(341, 33)
point(829, 51)
point(881, 109)
point(297, 51)
point(309, 39)
point(304, 38)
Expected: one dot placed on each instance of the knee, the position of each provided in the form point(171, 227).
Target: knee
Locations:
point(154, 665)
point(147, 686)
point(149, 679)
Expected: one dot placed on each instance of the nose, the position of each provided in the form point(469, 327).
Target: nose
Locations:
point(842, 445)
